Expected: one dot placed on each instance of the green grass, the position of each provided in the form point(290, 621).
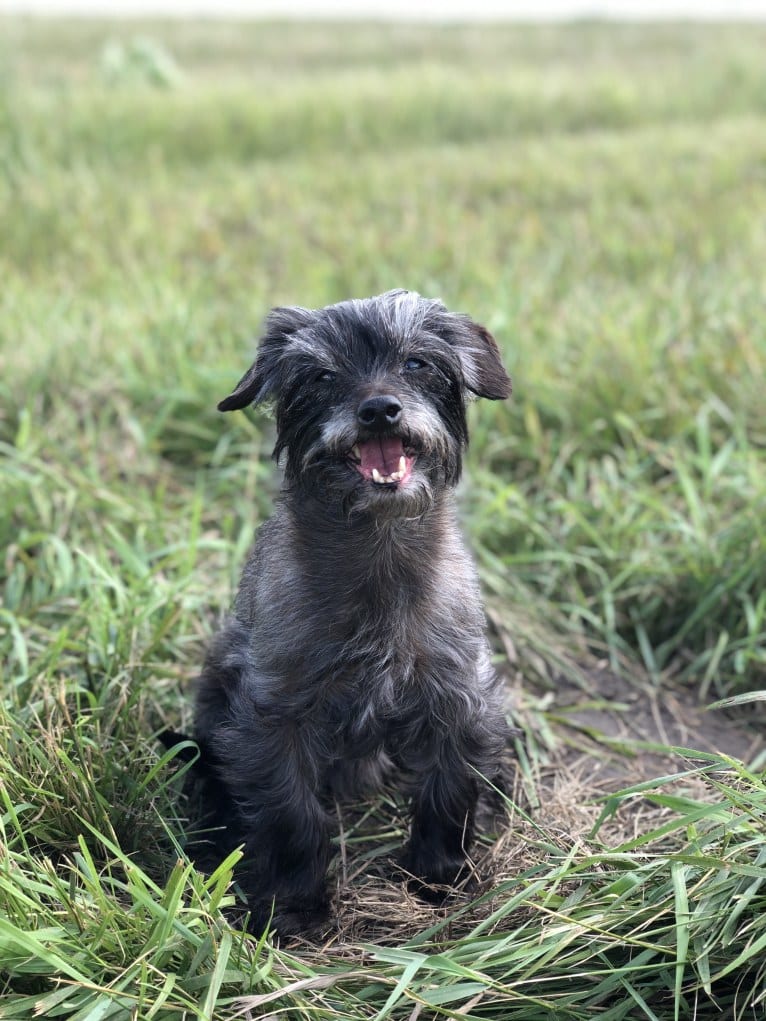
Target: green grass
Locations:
point(596, 194)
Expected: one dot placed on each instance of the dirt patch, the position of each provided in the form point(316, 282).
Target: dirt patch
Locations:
point(628, 731)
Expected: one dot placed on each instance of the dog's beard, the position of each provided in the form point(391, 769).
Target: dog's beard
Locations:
point(410, 500)
point(358, 482)
point(336, 483)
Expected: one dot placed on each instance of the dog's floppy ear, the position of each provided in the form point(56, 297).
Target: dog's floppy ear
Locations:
point(261, 381)
point(476, 348)
point(483, 370)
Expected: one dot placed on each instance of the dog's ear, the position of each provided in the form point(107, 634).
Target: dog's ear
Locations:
point(483, 369)
point(261, 381)
point(476, 348)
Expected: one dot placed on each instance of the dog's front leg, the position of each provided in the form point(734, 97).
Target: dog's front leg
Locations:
point(442, 822)
point(285, 832)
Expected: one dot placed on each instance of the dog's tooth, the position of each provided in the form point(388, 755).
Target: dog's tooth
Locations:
point(356, 452)
point(402, 466)
point(376, 476)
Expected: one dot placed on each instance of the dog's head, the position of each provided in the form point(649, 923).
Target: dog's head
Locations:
point(370, 396)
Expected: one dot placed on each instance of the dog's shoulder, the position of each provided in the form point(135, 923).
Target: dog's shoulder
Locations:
point(269, 572)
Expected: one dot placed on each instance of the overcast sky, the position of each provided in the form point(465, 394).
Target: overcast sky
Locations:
point(436, 9)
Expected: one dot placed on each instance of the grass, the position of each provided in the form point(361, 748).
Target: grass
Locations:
point(595, 194)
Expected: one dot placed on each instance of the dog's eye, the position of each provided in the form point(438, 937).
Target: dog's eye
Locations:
point(325, 376)
point(414, 363)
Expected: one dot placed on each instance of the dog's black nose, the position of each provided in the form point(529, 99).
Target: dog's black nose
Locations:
point(379, 412)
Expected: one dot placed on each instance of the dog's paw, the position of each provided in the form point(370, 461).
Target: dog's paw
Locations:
point(434, 880)
point(288, 920)
point(300, 922)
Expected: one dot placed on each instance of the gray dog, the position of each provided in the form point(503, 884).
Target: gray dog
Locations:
point(357, 644)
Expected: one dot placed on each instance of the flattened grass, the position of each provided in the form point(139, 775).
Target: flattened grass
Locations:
point(596, 195)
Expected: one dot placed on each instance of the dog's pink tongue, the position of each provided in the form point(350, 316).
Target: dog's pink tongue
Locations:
point(383, 453)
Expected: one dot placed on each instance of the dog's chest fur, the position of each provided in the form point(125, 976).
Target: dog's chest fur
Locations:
point(354, 658)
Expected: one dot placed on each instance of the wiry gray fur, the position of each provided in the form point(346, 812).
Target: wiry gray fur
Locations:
point(356, 645)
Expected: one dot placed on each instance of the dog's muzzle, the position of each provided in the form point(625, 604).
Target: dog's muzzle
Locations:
point(380, 457)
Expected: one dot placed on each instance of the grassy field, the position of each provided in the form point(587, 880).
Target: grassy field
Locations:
point(597, 196)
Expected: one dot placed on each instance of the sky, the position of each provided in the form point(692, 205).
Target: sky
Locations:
point(397, 9)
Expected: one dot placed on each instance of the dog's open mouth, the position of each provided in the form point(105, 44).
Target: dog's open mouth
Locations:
point(382, 460)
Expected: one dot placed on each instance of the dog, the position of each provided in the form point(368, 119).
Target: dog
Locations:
point(356, 646)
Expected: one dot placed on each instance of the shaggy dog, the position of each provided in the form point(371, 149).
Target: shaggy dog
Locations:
point(356, 646)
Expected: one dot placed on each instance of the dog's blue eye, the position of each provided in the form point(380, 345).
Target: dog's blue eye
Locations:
point(414, 363)
point(325, 376)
